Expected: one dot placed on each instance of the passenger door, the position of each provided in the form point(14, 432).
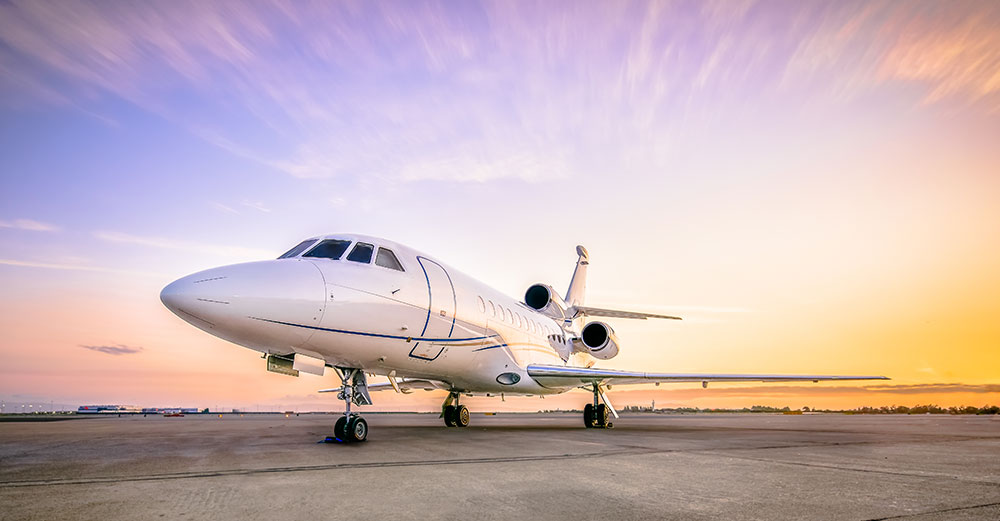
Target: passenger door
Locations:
point(440, 322)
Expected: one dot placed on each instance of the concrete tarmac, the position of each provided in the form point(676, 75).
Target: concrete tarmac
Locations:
point(510, 466)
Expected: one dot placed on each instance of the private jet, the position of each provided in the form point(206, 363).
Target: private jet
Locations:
point(363, 306)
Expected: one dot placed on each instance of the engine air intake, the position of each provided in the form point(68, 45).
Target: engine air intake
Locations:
point(537, 296)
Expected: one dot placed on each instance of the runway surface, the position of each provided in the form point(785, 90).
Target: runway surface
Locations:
point(510, 466)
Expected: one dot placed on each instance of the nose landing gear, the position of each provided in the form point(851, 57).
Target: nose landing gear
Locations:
point(455, 415)
point(352, 427)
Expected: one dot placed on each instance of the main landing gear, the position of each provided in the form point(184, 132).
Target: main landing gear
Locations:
point(354, 388)
point(596, 415)
point(455, 415)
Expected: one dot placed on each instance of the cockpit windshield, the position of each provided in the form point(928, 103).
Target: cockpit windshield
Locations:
point(329, 249)
point(362, 252)
point(301, 247)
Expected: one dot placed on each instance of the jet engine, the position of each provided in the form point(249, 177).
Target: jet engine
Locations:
point(598, 340)
point(543, 299)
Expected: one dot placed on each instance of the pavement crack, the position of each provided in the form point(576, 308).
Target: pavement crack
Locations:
point(932, 512)
point(313, 468)
point(854, 469)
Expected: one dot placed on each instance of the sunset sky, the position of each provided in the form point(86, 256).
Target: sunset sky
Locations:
point(813, 186)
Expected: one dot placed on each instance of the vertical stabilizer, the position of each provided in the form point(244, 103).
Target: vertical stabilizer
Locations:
point(578, 284)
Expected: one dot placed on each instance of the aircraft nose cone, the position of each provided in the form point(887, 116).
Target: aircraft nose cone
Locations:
point(174, 294)
point(190, 297)
point(266, 304)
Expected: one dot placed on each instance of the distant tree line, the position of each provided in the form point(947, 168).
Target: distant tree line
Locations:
point(892, 409)
point(927, 409)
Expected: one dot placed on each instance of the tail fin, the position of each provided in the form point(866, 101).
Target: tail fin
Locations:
point(578, 284)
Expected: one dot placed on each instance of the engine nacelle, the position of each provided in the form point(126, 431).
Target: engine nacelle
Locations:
point(542, 298)
point(598, 340)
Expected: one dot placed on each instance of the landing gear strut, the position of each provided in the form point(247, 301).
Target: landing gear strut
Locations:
point(455, 415)
point(354, 389)
point(595, 415)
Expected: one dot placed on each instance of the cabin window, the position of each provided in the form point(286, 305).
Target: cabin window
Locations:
point(387, 259)
point(493, 309)
point(362, 252)
point(508, 316)
point(517, 319)
point(329, 249)
point(482, 305)
point(301, 247)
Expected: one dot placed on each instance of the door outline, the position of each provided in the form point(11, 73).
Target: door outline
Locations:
point(430, 301)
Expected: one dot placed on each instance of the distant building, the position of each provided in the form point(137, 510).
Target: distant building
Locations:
point(106, 409)
point(171, 410)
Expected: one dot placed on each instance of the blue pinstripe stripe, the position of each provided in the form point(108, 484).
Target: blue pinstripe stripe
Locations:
point(489, 347)
point(377, 335)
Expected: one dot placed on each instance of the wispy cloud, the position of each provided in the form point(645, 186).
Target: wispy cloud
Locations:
point(953, 52)
point(256, 205)
point(956, 55)
point(419, 92)
point(28, 224)
point(76, 267)
point(116, 350)
point(220, 250)
point(224, 208)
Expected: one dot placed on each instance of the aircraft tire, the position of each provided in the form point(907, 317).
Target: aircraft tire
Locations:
point(462, 416)
point(449, 415)
point(340, 429)
point(588, 415)
point(601, 415)
point(357, 429)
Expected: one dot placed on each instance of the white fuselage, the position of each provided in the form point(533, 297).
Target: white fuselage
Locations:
point(427, 321)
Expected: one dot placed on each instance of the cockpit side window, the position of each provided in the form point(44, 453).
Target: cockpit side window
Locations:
point(387, 259)
point(362, 252)
point(301, 247)
point(329, 249)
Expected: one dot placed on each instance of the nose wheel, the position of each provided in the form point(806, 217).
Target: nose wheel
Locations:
point(455, 415)
point(351, 427)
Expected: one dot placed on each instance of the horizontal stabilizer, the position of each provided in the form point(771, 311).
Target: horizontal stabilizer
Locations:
point(564, 376)
point(614, 313)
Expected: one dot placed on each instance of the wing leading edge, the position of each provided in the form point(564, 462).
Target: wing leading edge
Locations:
point(614, 313)
point(561, 376)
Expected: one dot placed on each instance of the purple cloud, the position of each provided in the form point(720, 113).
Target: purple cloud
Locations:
point(116, 350)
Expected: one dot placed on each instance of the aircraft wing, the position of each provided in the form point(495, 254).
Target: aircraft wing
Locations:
point(563, 376)
point(614, 313)
point(405, 386)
